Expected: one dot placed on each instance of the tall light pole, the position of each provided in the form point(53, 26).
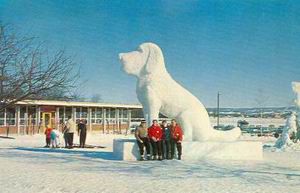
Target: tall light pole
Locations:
point(218, 109)
point(261, 120)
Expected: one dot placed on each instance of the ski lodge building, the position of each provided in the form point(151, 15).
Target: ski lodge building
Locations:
point(33, 116)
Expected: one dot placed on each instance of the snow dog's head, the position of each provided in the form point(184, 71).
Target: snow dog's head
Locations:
point(147, 59)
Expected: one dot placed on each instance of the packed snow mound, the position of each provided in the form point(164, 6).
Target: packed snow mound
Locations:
point(290, 147)
point(158, 92)
point(127, 149)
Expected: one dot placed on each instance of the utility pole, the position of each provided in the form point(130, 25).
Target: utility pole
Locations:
point(261, 118)
point(218, 109)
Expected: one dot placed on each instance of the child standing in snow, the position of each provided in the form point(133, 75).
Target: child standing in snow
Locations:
point(54, 135)
point(47, 134)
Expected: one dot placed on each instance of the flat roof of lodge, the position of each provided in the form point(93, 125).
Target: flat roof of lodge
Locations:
point(77, 103)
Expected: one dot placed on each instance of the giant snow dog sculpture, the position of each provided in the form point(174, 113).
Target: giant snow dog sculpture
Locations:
point(158, 92)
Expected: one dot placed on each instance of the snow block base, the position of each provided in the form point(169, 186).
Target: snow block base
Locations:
point(127, 149)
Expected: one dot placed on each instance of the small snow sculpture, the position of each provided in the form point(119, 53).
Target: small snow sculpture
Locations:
point(291, 123)
point(289, 128)
point(159, 92)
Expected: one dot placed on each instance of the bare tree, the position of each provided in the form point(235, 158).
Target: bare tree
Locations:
point(28, 71)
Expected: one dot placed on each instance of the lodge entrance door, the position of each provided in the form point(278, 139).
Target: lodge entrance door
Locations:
point(47, 120)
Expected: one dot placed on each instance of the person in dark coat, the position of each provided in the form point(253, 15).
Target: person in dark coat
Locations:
point(65, 134)
point(166, 140)
point(82, 133)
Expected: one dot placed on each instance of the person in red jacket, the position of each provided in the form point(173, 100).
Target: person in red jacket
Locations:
point(155, 136)
point(176, 139)
point(48, 136)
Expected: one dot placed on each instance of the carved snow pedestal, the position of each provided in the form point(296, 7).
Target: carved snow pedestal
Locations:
point(127, 149)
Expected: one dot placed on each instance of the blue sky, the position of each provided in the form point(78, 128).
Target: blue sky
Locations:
point(245, 49)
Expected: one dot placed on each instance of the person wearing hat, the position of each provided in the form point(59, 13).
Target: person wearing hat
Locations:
point(141, 135)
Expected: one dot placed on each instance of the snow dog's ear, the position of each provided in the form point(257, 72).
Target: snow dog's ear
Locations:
point(154, 59)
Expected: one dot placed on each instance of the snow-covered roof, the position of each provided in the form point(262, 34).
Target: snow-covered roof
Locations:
point(77, 103)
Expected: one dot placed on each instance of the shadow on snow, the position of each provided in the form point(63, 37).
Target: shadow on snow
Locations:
point(255, 173)
point(84, 153)
point(6, 137)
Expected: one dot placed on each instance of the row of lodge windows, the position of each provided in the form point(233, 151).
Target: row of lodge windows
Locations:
point(29, 115)
point(96, 114)
point(8, 116)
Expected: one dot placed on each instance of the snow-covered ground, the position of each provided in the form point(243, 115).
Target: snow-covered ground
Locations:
point(26, 167)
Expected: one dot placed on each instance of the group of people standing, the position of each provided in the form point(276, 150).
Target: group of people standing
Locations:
point(69, 128)
point(52, 137)
point(161, 138)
